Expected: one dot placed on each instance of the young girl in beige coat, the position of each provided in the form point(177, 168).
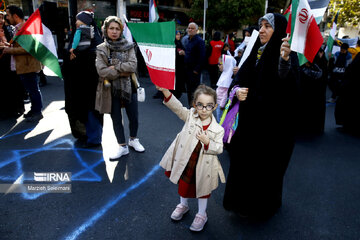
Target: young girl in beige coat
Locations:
point(191, 160)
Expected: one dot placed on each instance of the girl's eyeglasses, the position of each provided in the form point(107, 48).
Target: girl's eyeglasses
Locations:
point(200, 107)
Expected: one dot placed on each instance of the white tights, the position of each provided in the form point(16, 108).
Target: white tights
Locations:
point(202, 202)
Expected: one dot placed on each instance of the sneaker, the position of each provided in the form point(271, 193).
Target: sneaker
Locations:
point(135, 143)
point(198, 223)
point(124, 150)
point(35, 117)
point(179, 212)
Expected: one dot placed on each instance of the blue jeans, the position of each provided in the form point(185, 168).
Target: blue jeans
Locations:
point(132, 113)
point(31, 85)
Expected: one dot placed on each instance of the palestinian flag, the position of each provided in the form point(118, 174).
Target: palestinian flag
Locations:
point(38, 41)
point(318, 8)
point(305, 38)
point(287, 15)
point(157, 45)
point(153, 12)
point(331, 39)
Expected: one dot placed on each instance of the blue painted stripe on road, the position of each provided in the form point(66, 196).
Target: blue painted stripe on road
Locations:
point(92, 220)
point(17, 133)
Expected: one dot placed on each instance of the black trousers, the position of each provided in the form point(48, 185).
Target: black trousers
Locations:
point(192, 82)
point(131, 109)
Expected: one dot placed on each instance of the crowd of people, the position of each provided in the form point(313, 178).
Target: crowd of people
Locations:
point(277, 99)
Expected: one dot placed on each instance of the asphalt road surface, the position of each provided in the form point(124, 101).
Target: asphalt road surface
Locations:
point(133, 199)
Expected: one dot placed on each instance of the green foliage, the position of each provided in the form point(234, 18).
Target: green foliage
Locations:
point(349, 11)
point(228, 14)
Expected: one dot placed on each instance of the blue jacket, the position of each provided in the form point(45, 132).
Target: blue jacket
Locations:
point(195, 54)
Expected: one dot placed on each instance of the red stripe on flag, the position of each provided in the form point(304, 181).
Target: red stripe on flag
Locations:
point(288, 10)
point(32, 26)
point(288, 27)
point(314, 40)
point(164, 79)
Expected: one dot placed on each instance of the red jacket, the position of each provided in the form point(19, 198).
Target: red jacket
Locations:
point(216, 47)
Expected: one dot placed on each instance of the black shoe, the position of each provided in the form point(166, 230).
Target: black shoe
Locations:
point(91, 145)
point(28, 114)
point(35, 117)
point(82, 143)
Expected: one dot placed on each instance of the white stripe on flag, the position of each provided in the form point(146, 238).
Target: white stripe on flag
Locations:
point(161, 57)
point(318, 14)
point(47, 40)
point(300, 29)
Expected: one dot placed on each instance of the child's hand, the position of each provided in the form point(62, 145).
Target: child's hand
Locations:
point(202, 136)
point(159, 88)
point(165, 91)
point(235, 70)
point(72, 55)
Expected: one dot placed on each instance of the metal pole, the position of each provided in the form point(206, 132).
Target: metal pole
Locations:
point(266, 6)
point(204, 23)
point(119, 9)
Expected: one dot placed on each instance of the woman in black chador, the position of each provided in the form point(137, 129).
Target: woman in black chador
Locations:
point(262, 145)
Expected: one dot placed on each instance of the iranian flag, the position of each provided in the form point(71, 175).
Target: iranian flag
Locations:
point(157, 45)
point(153, 12)
point(331, 39)
point(38, 41)
point(305, 38)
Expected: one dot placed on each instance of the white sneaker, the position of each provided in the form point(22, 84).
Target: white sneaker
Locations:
point(123, 150)
point(135, 143)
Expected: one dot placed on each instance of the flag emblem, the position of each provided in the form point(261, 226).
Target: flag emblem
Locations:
point(303, 15)
point(148, 54)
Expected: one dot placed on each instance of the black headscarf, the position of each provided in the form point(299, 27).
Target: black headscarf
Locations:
point(268, 64)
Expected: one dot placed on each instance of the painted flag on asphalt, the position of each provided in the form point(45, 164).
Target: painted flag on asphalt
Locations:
point(38, 41)
point(331, 38)
point(157, 45)
point(153, 12)
point(305, 38)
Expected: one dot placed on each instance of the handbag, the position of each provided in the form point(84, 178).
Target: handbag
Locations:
point(229, 119)
point(103, 97)
point(140, 90)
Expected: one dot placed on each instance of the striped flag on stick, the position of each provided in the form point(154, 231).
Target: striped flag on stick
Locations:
point(157, 45)
point(306, 38)
point(331, 39)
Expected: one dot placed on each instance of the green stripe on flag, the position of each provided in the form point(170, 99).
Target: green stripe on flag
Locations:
point(294, 7)
point(302, 59)
point(155, 45)
point(158, 33)
point(40, 52)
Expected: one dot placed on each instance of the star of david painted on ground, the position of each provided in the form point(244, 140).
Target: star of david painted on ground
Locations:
point(11, 168)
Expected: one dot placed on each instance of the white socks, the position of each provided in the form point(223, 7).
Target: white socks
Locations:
point(184, 201)
point(202, 204)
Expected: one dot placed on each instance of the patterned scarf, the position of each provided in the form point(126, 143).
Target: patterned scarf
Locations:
point(119, 52)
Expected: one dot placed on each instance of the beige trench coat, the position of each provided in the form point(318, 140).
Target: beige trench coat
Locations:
point(208, 168)
point(103, 94)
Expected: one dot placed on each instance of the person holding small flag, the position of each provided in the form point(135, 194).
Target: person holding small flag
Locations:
point(263, 142)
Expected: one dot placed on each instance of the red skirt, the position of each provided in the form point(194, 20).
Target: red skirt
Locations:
point(187, 181)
